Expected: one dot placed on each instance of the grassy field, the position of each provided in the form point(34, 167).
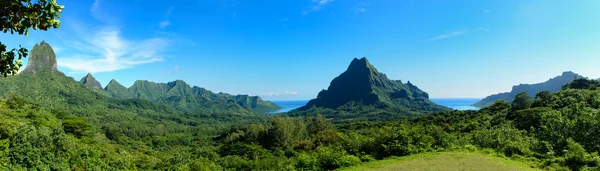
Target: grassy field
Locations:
point(451, 161)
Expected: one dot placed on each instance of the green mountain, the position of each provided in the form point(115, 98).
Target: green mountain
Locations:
point(180, 95)
point(42, 58)
point(362, 86)
point(115, 89)
point(90, 82)
point(552, 85)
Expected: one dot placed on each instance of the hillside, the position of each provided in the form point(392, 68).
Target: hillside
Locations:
point(182, 96)
point(49, 121)
point(361, 86)
point(552, 85)
point(558, 131)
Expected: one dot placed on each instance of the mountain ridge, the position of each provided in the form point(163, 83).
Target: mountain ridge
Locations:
point(183, 96)
point(553, 84)
point(363, 86)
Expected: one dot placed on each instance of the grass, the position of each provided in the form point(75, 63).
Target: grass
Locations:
point(451, 161)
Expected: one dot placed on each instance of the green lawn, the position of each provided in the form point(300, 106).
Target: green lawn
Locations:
point(459, 161)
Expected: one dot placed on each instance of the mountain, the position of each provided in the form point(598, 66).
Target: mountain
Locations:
point(552, 85)
point(90, 82)
point(361, 86)
point(182, 96)
point(42, 58)
point(115, 89)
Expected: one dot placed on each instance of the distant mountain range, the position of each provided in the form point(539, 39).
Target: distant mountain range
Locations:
point(180, 95)
point(361, 86)
point(552, 85)
point(176, 94)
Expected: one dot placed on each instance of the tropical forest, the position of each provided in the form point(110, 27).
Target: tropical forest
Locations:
point(55, 115)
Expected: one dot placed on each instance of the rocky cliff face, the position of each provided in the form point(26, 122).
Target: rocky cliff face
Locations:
point(42, 57)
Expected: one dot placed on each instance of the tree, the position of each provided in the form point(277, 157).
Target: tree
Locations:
point(19, 16)
point(542, 99)
point(522, 101)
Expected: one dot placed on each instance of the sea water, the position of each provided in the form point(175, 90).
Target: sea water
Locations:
point(457, 103)
point(454, 103)
point(288, 105)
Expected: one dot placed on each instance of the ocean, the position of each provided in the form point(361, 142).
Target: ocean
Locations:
point(454, 103)
point(288, 105)
point(457, 103)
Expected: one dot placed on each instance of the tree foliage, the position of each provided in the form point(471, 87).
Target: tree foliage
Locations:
point(61, 125)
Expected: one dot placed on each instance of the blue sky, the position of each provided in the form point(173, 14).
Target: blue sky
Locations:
point(288, 50)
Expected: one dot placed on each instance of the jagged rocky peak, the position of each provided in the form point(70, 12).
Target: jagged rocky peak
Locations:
point(90, 82)
point(41, 57)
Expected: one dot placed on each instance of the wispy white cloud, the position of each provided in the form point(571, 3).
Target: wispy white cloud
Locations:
point(284, 93)
point(170, 70)
point(360, 7)
point(169, 11)
point(103, 48)
point(57, 49)
point(486, 11)
point(316, 5)
point(164, 24)
point(98, 12)
point(449, 35)
point(456, 33)
point(359, 10)
point(106, 51)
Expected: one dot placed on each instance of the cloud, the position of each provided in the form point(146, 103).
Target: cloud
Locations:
point(169, 11)
point(57, 49)
point(448, 35)
point(359, 10)
point(99, 13)
point(95, 6)
point(107, 51)
point(170, 71)
point(486, 11)
point(360, 7)
point(316, 5)
point(456, 33)
point(284, 93)
point(164, 24)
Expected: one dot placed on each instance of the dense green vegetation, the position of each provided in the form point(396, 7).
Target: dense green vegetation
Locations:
point(49, 121)
point(60, 124)
point(362, 92)
point(552, 85)
point(98, 131)
point(556, 131)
